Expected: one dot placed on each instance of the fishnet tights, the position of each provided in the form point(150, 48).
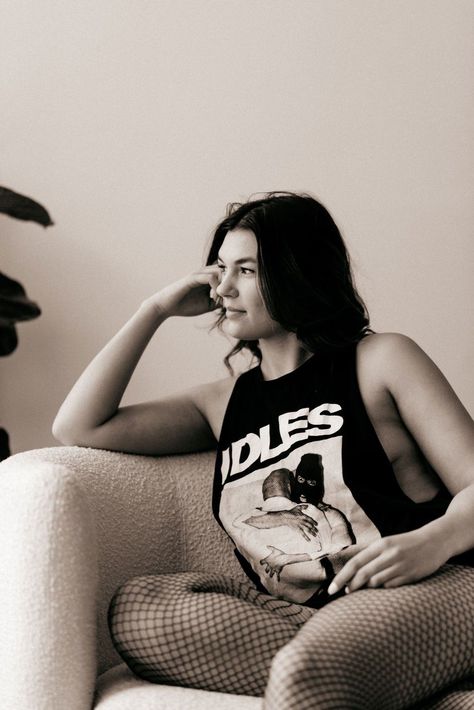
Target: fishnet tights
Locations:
point(201, 630)
point(376, 649)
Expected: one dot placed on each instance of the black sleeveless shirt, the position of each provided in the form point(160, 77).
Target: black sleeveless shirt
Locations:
point(301, 476)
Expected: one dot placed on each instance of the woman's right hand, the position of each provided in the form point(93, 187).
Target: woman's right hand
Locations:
point(192, 295)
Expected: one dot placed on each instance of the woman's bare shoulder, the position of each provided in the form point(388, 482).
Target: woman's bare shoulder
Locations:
point(377, 344)
point(386, 355)
point(394, 364)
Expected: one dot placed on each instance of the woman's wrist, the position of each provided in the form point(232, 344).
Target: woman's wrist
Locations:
point(441, 534)
point(154, 309)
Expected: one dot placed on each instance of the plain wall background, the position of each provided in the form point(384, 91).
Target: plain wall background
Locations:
point(135, 122)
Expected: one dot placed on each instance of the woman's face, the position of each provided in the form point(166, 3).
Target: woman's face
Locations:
point(246, 315)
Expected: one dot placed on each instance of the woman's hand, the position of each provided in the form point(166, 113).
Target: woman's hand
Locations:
point(192, 295)
point(295, 518)
point(391, 562)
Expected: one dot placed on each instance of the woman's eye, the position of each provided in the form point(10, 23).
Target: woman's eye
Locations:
point(221, 267)
point(244, 270)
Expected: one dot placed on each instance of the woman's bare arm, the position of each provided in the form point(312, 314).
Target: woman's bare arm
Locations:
point(91, 414)
point(444, 431)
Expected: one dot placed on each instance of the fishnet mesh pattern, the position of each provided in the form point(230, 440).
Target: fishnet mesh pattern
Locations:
point(201, 630)
point(376, 649)
point(382, 649)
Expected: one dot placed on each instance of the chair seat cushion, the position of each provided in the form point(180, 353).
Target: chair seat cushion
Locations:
point(119, 689)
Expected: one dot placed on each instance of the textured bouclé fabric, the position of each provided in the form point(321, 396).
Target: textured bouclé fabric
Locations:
point(75, 523)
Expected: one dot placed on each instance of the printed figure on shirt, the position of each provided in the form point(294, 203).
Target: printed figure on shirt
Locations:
point(311, 516)
point(290, 520)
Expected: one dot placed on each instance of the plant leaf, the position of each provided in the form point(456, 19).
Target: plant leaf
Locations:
point(4, 445)
point(8, 339)
point(14, 303)
point(22, 207)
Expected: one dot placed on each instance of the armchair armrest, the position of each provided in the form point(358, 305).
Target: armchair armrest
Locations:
point(74, 524)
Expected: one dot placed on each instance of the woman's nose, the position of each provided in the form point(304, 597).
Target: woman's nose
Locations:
point(226, 287)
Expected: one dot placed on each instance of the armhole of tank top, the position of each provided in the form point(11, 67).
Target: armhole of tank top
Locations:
point(376, 439)
point(363, 408)
point(238, 384)
point(221, 445)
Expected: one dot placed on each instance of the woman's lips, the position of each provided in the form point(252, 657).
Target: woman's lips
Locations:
point(233, 313)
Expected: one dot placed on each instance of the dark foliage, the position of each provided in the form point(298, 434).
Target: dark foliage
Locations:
point(15, 305)
point(21, 207)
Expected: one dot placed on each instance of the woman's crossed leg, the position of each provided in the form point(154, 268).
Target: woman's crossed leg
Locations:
point(381, 649)
point(202, 630)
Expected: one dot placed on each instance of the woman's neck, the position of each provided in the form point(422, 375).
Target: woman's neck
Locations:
point(281, 355)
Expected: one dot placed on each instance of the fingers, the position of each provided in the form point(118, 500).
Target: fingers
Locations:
point(270, 570)
point(205, 274)
point(273, 571)
point(214, 282)
point(375, 574)
point(305, 534)
point(360, 557)
point(215, 297)
point(190, 295)
point(390, 562)
point(374, 566)
point(211, 276)
point(305, 524)
point(308, 527)
point(298, 514)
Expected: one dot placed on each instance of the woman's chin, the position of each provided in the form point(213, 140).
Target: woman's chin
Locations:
point(236, 329)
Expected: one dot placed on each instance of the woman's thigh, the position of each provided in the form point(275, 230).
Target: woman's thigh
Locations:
point(384, 649)
point(201, 630)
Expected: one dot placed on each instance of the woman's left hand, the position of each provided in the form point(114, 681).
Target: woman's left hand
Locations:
point(391, 562)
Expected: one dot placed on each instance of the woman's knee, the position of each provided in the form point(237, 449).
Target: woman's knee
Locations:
point(324, 665)
point(146, 602)
point(124, 609)
point(297, 678)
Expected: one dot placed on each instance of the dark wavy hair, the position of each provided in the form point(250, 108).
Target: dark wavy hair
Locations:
point(304, 270)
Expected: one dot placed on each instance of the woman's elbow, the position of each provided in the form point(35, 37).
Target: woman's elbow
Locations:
point(65, 433)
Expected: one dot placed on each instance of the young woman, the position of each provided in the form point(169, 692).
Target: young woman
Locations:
point(344, 476)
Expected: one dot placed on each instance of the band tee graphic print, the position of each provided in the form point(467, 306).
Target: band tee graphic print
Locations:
point(286, 506)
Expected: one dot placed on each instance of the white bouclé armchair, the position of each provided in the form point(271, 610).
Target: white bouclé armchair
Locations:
point(75, 523)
